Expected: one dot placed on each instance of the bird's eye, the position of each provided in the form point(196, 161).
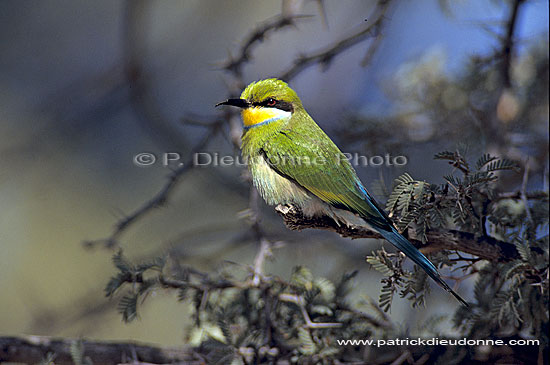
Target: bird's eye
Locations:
point(271, 102)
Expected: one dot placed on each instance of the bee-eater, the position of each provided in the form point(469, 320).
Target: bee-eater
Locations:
point(293, 162)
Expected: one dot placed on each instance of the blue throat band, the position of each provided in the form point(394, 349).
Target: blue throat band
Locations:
point(262, 123)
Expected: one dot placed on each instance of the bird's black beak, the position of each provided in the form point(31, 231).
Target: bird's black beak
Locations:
point(240, 103)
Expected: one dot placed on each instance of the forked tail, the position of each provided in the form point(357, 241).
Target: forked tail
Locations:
point(418, 257)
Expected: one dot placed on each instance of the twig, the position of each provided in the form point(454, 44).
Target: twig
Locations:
point(459, 279)
point(484, 247)
point(405, 356)
point(491, 126)
point(234, 65)
point(325, 56)
point(263, 253)
point(300, 302)
point(149, 112)
point(523, 192)
point(203, 287)
point(537, 195)
point(382, 322)
point(508, 43)
point(160, 198)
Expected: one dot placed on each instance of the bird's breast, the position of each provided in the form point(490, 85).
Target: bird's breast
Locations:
point(274, 188)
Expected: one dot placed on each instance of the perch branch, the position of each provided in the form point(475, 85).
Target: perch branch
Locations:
point(484, 247)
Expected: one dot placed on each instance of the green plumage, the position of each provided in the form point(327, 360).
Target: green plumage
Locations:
point(299, 150)
point(293, 161)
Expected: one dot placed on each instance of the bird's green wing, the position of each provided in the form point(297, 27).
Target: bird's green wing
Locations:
point(308, 157)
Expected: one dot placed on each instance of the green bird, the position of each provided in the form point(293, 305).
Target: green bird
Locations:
point(293, 162)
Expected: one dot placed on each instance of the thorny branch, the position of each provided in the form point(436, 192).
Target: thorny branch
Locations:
point(258, 35)
point(492, 126)
point(484, 247)
point(325, 56)
point(205, 284)
point(148, 111)
point(508, 42)
point(523, 195)
point(234, 66)
point(160, 198)
point(300, 302)
point(35, 349)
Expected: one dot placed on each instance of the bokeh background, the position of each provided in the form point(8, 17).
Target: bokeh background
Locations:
point(74, 113)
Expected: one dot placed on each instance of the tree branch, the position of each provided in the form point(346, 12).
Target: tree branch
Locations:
point(244, 54)
point(325, 56)
point(508, 43)
point(484, 247)
point(161, 197)
point(520, 195)
point(34, 349)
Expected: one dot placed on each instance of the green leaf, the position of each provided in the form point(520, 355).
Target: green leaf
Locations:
point(484, 160)
point(307, 346)
point(303, 277)
point(116, 282)
point(224, 327)
point(121, 263)
point(500, 309)
point(523, 250)
point(451, 179)
point(326, 287)
point(445, 155)
point(156, 264)
point(479, 178)
point(127, 306)
point(330, 352)
point(402, 188)
point(386, 296)
point(77, 352)
point(409, 217)
point(381, 266)
point(322, 310)
point(503, 164)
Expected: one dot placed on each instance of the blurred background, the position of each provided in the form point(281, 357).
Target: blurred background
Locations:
point(86, 86)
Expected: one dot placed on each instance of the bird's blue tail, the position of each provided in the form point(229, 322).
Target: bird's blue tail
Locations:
point(418, 257)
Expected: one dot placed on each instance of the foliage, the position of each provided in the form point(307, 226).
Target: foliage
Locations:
point(238, 319)
point(77, 354)
point(498, 105)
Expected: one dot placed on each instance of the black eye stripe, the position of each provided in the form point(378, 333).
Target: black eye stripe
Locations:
point(283, 105)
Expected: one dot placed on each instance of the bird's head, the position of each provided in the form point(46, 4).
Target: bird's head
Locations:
point(266, 101)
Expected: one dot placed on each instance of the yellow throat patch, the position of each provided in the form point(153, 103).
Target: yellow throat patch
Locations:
point(256, 115)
